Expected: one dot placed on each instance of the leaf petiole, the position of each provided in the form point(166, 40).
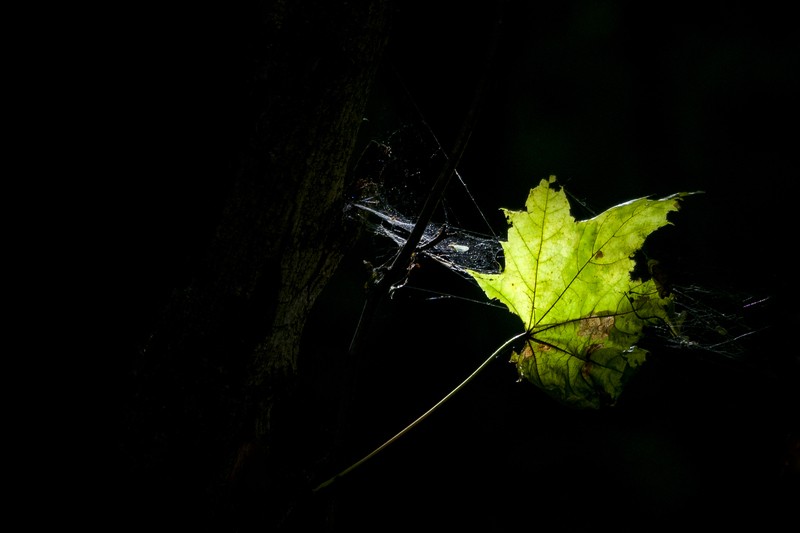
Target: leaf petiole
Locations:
point(427, 413)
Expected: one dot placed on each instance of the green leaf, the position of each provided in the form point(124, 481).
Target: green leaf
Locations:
point(570, 283)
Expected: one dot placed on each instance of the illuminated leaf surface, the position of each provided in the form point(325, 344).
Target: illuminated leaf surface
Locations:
point(570, 283)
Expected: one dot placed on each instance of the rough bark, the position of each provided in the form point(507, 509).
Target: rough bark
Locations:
point(217, 407)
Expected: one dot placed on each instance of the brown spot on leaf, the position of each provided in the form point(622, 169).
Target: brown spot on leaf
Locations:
point(591, 349)
point(596, 327)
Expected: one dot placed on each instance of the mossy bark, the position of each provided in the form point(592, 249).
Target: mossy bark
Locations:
point(215, 414)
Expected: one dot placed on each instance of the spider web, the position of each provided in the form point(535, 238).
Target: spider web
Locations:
point(714, 322)
point(392, 179)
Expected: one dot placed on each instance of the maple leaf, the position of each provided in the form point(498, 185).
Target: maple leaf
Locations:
point(570, 282)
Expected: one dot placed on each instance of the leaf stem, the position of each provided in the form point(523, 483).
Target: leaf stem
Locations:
point(427, 413)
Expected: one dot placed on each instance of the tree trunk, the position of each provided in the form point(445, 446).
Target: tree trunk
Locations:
point(217, 417)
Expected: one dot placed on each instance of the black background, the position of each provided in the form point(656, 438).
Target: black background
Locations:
point(617, 100)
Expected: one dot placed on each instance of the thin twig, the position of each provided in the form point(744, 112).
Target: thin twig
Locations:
point(398, 269)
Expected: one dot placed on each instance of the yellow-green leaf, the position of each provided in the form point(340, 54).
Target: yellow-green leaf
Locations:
point(570, 283)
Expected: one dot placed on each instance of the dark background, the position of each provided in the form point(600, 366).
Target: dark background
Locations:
point(619, 101)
